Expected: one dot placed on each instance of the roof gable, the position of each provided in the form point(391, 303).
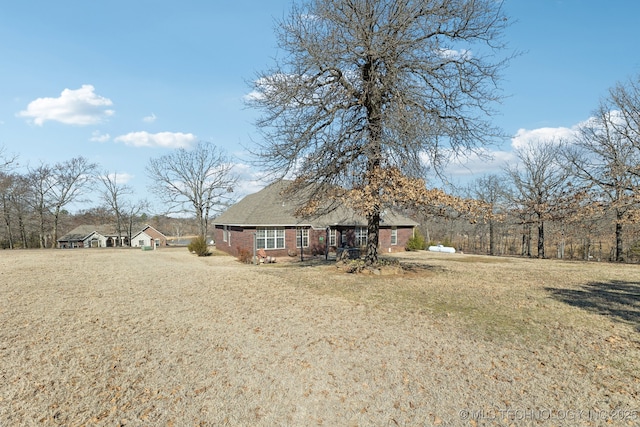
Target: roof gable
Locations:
point(268, 207)
point(152, 232)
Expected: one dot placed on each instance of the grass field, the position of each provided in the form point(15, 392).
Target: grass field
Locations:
point(128, 337)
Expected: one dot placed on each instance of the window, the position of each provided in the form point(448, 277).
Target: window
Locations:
point(225, 233)
point(394, 236)
point(302, 237)
point(270, 238)
point(361, 236)
point(332, 237)
point(140, 242)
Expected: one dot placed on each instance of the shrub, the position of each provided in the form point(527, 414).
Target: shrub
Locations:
point(416, 243)
point(244, 256)
point(199, 247)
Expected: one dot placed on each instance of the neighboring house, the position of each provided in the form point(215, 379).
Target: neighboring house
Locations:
point(104, 236)
point(148, 236)
point(267, 218)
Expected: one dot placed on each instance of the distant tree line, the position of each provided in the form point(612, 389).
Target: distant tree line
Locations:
point(579, 196)
point(35, 203)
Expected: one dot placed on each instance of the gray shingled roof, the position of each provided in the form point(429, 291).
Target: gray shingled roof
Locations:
point(268, 207)
point(83, 231)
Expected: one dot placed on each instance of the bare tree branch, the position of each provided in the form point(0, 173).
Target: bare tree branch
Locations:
point(199, 181)
point(367, 86)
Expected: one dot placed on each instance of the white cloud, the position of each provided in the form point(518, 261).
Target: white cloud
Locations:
point(479, 163)
point(150, 119)
point(249, 180)
point(73, 107)
point(463, 54)
point(97, 136)
point(161, 139)
point(526, 137)
point(120, 178)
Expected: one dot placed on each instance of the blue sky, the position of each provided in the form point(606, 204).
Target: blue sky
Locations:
point(120, 81)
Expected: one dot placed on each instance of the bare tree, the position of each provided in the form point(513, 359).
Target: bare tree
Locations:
point(40, 181)
point(7, 186)
point(113, 194)
point(369, 87)
point(603, 158)
point(7, 161)
point(69, 181)
point(20, 197)
point(624, 99)
point(131, 212)
point(490, 190)
point(539, 182)
point(198, 181)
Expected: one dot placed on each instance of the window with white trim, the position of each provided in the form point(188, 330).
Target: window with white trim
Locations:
point(332, 237)
point(302, 237)
point(394, 236)
point(270, 238)
point(361, 236)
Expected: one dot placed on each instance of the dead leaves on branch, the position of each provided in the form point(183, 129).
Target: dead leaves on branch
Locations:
point(388, 187)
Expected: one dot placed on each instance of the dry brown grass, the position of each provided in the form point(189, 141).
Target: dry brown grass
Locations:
point(126, 337)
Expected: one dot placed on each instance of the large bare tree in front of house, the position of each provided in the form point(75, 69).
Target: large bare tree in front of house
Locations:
point(539, 181)
point(367, 90)
point(197, 181)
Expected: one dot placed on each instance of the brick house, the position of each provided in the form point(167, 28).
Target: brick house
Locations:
point(149, 237)
point(265, 219)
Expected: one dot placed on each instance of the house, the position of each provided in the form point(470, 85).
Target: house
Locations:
point(265, 220)
point(105, 236)
point(92, 236)
point(148, 236)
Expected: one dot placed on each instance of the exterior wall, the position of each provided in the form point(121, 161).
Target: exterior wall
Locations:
point(156, 235)
point(70, 244)
point(404, 234)
point(100, 241)
point(242, 239)
point(237, 238)
point(144, 237)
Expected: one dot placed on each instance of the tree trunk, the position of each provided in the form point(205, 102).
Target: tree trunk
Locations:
point(202, 225)
point(619, 255)
point(23, 232)
point(7, 221)
point(492, 238)
point(56, 218)
point(541, 239)
point(373, 237)
point(587, 249)
point(373, 103)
